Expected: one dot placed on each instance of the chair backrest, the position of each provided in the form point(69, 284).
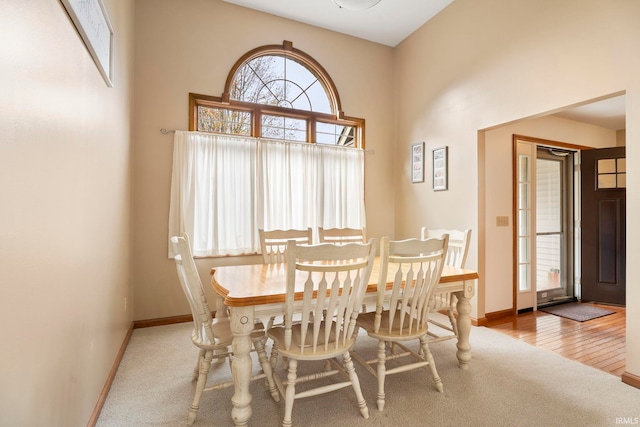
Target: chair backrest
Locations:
point(458, 244)
point(414, 267)
point(274, 243)
point(332, 280)
point(342, 235)
point(193, 290)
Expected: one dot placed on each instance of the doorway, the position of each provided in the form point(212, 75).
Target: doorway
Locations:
point(547, 217)
point(554, 226)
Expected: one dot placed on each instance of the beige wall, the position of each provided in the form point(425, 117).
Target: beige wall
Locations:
point(483, 63)
point(66, 167)
point(65, 177)
point(190, 46)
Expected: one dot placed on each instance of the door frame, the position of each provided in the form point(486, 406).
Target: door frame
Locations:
point(514, 213)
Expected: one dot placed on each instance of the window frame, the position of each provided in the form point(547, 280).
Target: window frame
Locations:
point(257, 110)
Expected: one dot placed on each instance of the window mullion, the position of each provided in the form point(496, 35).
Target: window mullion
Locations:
point(256, 130)
point(311, 130)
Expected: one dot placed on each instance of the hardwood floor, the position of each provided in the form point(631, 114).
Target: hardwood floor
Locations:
point(598, 342)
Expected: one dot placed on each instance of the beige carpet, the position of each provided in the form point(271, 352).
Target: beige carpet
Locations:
point(509, 383)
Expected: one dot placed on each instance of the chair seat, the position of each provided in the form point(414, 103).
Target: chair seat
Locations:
point(367, 320)
point(301, 351)
point(223, 336)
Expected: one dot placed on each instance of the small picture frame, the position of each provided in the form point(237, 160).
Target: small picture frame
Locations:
point(440, 160)
point(417, 162)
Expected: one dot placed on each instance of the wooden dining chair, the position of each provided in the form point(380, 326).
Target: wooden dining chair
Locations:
point(342, 235)
point(446, 301)
point(212, 336)
point(326, 284)
point(415, 267)
point(273, 243)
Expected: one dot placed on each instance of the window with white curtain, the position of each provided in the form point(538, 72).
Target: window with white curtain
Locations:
point(225, 187)
point(232, 177)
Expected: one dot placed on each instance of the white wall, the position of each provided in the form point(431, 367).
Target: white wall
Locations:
point(483, 63)
point(190, 46)
point(65, 200)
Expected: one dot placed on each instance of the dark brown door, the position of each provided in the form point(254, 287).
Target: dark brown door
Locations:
point(603, 258)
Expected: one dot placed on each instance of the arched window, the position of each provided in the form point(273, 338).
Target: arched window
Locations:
point(235, 176)
point(278, 92)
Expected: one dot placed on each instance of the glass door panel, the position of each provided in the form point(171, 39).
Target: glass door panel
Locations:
point(553, 213)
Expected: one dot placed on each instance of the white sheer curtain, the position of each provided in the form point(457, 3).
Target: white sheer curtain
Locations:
point(289, 173)
point(226, 187)
point(342, 189)
point(213, 189)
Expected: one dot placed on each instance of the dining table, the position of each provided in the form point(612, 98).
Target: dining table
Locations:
point(257, 292)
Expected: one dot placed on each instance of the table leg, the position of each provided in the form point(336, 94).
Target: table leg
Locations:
point(464, 325)
point(221, 308)
point(241, 326)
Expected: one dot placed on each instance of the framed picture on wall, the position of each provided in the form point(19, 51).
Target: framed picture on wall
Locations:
point(439, 168)
point(92, 22)
point(417, 162)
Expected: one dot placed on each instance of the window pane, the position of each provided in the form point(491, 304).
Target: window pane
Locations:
point(222, 120)
point(276, 80)
point(273, 127)
point(287, 128)
point(523, 251)
point(523, 277)
point(548, 250)
point(319, 98)
point(524, 169)
point(622, 180)
point(606, 165)
point(607, 181)
point(299, 73)
point(548, 196)
point(621, 164)
point(272, 93)
point(523, 223)
point(523, 202)
point(330, 133)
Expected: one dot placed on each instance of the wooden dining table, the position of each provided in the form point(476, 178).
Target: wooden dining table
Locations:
point(258, 291)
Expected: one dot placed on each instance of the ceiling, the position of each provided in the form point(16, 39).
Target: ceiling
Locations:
point(391, 21)
point(609, 113)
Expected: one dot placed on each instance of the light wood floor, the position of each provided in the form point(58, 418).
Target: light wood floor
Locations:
point(598, 342)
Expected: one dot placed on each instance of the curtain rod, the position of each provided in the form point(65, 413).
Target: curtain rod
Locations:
point(168, 131)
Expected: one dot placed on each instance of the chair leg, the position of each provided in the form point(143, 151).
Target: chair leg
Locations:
point(432, 364)
point(274, 357)
point(266, 368)
point(205, 365)
point(196, 370)
point(454, 322)
point(290, 392)
point(270, 322)
point(355, 383)
point(381, 373)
